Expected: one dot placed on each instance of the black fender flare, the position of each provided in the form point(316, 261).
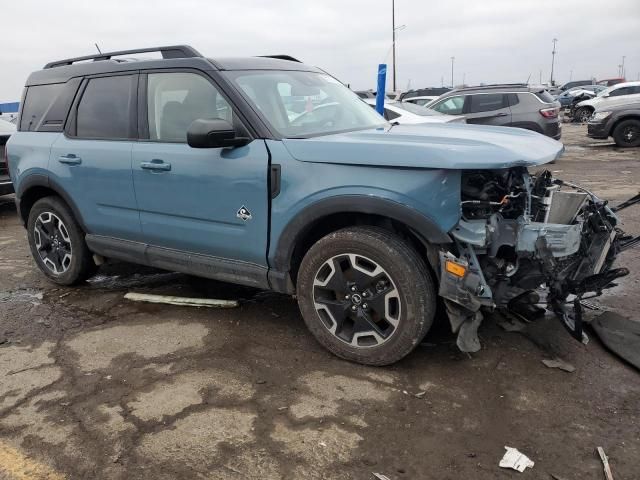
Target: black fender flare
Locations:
point(40, 180)
point(300, 224)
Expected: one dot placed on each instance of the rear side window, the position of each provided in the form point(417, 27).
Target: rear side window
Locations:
point(544, 96)
point(513, 99)
point(106, 109)
point(487, 102)
point(37, 101)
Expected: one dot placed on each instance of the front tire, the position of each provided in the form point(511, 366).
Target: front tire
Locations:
point(366, 295)
point(583, 114)
point(627, 133)
point(57, 242)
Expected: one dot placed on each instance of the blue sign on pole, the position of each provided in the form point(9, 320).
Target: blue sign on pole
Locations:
point(382, 85)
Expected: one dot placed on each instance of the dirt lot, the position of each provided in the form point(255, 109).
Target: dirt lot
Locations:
point(93, 386)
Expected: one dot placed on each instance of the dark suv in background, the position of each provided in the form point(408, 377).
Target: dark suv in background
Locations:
point(515, 105)
point(6, 129)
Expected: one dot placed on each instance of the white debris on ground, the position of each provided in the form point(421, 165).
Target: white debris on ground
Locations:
point(559, 364)
point(181, 301)
point(515, 460)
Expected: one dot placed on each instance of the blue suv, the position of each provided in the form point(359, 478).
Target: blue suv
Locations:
point(270, 173)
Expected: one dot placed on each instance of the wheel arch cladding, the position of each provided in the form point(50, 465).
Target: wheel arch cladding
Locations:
point(34, 188)
point(331, 214)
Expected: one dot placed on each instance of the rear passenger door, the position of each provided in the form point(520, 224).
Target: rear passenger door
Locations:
point(91, 162)
point(488, 109)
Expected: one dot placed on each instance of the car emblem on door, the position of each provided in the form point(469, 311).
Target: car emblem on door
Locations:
point(244, 213)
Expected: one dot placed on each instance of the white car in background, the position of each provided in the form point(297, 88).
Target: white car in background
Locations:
point(421, 100)
point(404, 113)
point(618, 94)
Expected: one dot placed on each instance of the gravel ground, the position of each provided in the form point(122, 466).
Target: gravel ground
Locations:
point(94, 386)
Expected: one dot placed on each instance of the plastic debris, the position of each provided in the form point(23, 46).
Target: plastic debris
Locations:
point(561, 364)
point(380, 476)
point(181, 301)
point(515, 460)
point(420, 394)
point(512, 325)
point(605, 463)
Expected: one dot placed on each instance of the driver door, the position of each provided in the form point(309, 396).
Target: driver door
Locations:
point(208, 201)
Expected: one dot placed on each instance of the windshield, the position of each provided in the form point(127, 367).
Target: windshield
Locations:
point(604, 92)
point(305, 104)
point(415, 109)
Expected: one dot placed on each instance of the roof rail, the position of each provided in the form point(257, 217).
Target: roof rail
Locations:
point(493, 85)
point(173, 51)
point(282, 57)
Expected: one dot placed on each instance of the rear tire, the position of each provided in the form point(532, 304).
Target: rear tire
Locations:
point(57, 242)
point(627, 133)
point(366, 295)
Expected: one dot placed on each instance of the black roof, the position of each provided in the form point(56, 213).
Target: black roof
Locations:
point(174, 56)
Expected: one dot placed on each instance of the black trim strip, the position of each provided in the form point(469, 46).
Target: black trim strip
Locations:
point(207, 266)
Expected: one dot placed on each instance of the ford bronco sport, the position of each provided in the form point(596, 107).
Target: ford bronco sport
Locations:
point(270, 173)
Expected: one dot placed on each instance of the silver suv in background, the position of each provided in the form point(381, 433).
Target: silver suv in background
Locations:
point(511, 105)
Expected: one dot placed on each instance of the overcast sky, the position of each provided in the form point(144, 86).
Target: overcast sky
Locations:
point(491, 40)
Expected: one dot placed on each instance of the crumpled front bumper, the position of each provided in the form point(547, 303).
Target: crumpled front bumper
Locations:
point(569, 261)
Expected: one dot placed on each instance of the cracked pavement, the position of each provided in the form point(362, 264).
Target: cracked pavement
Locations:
point(95, 386)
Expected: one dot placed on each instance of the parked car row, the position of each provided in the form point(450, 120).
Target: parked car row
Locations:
point(618, 94)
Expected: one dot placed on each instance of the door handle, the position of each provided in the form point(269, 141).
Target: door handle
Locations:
point(70, 159)
point(156, 165)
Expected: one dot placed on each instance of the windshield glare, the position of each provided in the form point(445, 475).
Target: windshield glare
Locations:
point(305, 104)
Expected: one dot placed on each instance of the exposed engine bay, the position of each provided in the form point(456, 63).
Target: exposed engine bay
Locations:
point(522, 236)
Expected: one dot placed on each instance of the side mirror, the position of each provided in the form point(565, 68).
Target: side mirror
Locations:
point(213, 133)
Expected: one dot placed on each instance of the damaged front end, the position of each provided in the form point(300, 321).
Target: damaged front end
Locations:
point(520, 235)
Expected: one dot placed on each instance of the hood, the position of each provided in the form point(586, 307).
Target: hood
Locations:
point(601, 102)
point(443, 146)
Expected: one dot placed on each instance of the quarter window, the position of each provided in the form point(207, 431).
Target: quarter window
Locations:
point(175, 100)
point(487, 102)
point(37, 101)
point(106, 108)
point(450, 106)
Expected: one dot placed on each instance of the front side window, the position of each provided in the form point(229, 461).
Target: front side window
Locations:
point(105, 109)
point(450, 106)
point(175, 100)
point(486, 102)
point(304, 104)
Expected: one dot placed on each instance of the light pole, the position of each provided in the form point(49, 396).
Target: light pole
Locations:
point(622, 67)
point(553, 58)
point(452, 60)
point(394, 29)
